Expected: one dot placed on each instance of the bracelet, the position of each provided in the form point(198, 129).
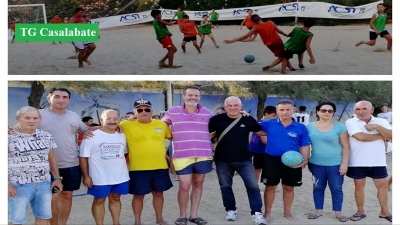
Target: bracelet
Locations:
point(58, 177)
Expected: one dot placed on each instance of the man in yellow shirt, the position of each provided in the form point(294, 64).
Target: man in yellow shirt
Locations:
point(148, 168)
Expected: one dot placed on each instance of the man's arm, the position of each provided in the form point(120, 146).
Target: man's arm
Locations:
point(54, 170)
point(385, 133)
point(83, 162)
point(305, 152)
point(165, 23)
point(309, 52)
point(367, 137)
point(290, 34)
point(253, 31)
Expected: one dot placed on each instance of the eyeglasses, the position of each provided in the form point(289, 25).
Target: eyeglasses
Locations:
point(141, 110)
point(330, 111)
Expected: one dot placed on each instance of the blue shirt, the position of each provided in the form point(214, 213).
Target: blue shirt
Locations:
point(256, 145)
point(281, 139)
point(326, 147)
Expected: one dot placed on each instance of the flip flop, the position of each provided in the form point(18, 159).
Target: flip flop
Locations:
point(342, 218)
point(357, 217)
point(389, 218)
point(198, 221)
point(181, 221)
point(313, 216)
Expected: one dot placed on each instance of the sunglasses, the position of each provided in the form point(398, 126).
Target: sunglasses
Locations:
point(330, 111)
point(141, 110)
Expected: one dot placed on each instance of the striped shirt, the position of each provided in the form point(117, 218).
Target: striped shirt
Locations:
point(190, 134)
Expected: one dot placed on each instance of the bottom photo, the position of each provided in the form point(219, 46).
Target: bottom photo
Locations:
point(199, 152)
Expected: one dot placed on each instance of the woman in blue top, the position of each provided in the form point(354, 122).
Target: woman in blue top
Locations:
point(329, 158)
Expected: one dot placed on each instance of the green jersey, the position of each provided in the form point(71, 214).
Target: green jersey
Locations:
point(160, 29)
point(213, 16)
point(297, 42)
point(180, 15)
point(380, 21)
point(206, 29)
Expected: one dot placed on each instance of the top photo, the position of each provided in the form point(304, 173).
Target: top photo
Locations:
point(199, 37)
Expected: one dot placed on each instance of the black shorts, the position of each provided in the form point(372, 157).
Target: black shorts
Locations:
point(258, 160)
point(378, 172)
point(215, 22)
point(289, 54)
point(189, 39)
point(374, 36)
point(274, 170)
point(72, 178)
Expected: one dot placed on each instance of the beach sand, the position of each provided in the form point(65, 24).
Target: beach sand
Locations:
point(135, 50)
point(211, 207)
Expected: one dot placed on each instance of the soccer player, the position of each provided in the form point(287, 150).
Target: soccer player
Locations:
point(190, 31)
point(205, 29)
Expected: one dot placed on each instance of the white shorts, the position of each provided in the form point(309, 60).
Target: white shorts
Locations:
point(81, 45)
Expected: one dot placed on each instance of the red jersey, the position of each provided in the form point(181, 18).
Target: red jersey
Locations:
point(189, 27)
point(56, 20)
point(248, 23)
point(79, 19)
point(267, 32)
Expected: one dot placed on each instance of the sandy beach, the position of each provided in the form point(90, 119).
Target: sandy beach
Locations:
point(135, 50)
point(211, 207)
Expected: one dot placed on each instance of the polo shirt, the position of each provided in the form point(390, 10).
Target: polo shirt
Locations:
point(368, 153)
point(282, 139)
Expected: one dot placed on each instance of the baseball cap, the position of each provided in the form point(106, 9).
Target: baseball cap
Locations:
point(142, 101)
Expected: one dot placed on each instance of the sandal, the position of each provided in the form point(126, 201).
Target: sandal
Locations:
point(313, 216)
point(198, 221)
point(357, 217)
point(342, 218)
point(181, 221)
point(389, 218)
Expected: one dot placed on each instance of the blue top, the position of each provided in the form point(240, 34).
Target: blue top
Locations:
point(326, 149)
point(256, 145)
point(281, 139)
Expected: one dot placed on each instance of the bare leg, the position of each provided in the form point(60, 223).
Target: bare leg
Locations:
point(183, 46)
point(171, 52)
point(81, 57)
point(269, 197)
point(185, 183)
point(196, 46)
point(382, 194)
point(137, 207)
point(89, 51)
point(389, 40)
point(254, 36)
point(39, 221)
point(64, 206)
point(98, 210)
point(370, 43)
point(288, 197)
point(54, 209)
point(114, 205)
point(213, 40)
point(285, 63)
point(197, 190)
point(301, 56)
point(12, 40)
point(158, 203)
point(359, 185)
point(258, 173)
point(390, 182)
point(202, 37)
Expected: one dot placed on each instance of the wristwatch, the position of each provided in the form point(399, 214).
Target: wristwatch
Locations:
point(58, 177)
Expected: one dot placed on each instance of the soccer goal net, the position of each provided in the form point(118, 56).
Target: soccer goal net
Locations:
point(29, 13)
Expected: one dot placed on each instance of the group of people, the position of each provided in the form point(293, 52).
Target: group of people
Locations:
point(43, 153)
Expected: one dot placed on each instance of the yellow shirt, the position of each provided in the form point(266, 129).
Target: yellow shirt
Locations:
point(146, 144)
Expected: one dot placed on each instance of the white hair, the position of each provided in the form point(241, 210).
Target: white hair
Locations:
point(232, 98)
point(104, 113)
point(369, 104)
point(25, 109)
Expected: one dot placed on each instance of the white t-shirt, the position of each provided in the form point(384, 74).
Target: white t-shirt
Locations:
point(387, 116)
point(303, 118)
point(107, 164)
point(369, 153)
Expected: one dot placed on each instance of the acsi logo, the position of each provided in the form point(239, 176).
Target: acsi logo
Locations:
point(167, 13)
point(131, 17)
point(243, 12)
point(341, 11)
point(200, 14)
point(289, 8)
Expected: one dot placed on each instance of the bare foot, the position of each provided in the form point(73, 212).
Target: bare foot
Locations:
point(359, 43)
point(289, 217)
point(87, 62)
point(162, 65)
point(162, 222)
point(217, 46)
point(174, 67)
point(267, 217)
point(80, 66)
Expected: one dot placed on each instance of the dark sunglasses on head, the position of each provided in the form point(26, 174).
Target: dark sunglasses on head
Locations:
point(141, 110)
point(330, 111)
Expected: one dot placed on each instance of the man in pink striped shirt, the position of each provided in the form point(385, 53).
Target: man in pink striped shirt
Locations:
point(192, 151)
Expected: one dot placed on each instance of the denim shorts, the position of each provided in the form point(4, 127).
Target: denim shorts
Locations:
point(38, 195)
point(102, 191)
point(201, 167)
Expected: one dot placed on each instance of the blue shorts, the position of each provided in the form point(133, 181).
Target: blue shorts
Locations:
point(38, 195)
point(378, 172)
point(201, 167)
point(146, 181)
point(102, 191)
point(71, 178)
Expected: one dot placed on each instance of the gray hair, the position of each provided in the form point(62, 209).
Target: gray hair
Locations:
point(108, 110)
point(369, 104)
point(232, 98)
point(25, 109)
point(285, 102)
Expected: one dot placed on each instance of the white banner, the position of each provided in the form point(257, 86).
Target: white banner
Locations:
point(294, 9)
